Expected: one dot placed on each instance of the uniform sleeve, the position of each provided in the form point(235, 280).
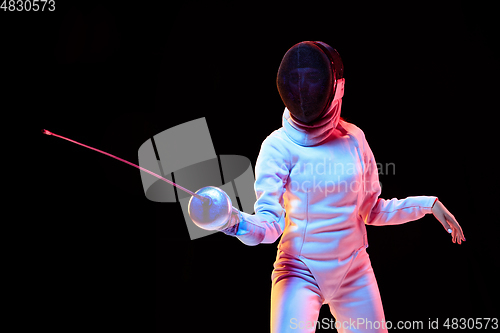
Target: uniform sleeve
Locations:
point(377, 211)
point(271, 174)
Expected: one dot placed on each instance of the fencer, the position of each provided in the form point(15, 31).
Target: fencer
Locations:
point(317, 187)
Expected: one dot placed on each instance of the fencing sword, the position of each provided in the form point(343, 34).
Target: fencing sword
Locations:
point(210, 207)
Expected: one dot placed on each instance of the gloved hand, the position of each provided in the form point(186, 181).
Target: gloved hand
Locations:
point(216, 215)
point(245, 227)
point(231, 227)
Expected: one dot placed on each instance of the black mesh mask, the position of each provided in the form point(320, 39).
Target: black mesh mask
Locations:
point(307, 79)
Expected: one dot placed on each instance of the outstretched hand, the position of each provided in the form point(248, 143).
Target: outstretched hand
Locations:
point(448, 221)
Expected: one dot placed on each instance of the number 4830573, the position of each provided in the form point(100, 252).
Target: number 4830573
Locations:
point(28, 5)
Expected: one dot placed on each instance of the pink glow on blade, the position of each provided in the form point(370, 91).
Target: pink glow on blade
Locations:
point(203, 199)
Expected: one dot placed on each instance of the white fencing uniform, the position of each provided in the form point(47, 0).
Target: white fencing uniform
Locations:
point(317, 188)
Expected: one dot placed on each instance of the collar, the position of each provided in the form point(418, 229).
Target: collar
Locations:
point(315, 133)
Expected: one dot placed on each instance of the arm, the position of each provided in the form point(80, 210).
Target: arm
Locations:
point(377, 211)
point(268, 222)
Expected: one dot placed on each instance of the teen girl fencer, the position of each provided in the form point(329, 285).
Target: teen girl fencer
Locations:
point(317, 187)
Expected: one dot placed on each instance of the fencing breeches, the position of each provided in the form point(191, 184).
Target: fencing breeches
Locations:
point(300, 286)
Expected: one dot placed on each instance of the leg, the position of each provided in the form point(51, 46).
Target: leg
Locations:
point(357, 306)
point(295, 298)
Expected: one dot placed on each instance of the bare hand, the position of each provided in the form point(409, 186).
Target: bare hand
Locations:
point(448, 221)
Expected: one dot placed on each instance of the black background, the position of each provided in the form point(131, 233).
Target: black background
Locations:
point(96, 255)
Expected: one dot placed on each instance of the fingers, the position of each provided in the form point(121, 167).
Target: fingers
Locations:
point(441, 218)
point(448, 222)
point(457, 234)
point(451, 227)
point(454, 235)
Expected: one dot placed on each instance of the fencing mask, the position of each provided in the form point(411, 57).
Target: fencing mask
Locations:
point(310, 78)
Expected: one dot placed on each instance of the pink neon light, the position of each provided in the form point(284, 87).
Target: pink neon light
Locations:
point(203, 199)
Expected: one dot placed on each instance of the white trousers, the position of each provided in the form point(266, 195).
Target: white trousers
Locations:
point(300, 286)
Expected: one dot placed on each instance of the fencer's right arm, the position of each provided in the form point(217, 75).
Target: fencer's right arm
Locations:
point(268, 222)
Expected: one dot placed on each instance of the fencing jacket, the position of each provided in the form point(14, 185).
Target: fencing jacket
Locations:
point(318, 190)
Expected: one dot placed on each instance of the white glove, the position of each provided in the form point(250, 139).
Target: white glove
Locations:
point(240, 225)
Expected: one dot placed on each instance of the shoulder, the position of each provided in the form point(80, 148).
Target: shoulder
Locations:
point(359, 135)
point(277, 143)
point(276, 138)
point(352, 129)
point(366, 151)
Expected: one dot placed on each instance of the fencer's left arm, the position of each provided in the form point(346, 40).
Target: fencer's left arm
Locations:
point(377, 211)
